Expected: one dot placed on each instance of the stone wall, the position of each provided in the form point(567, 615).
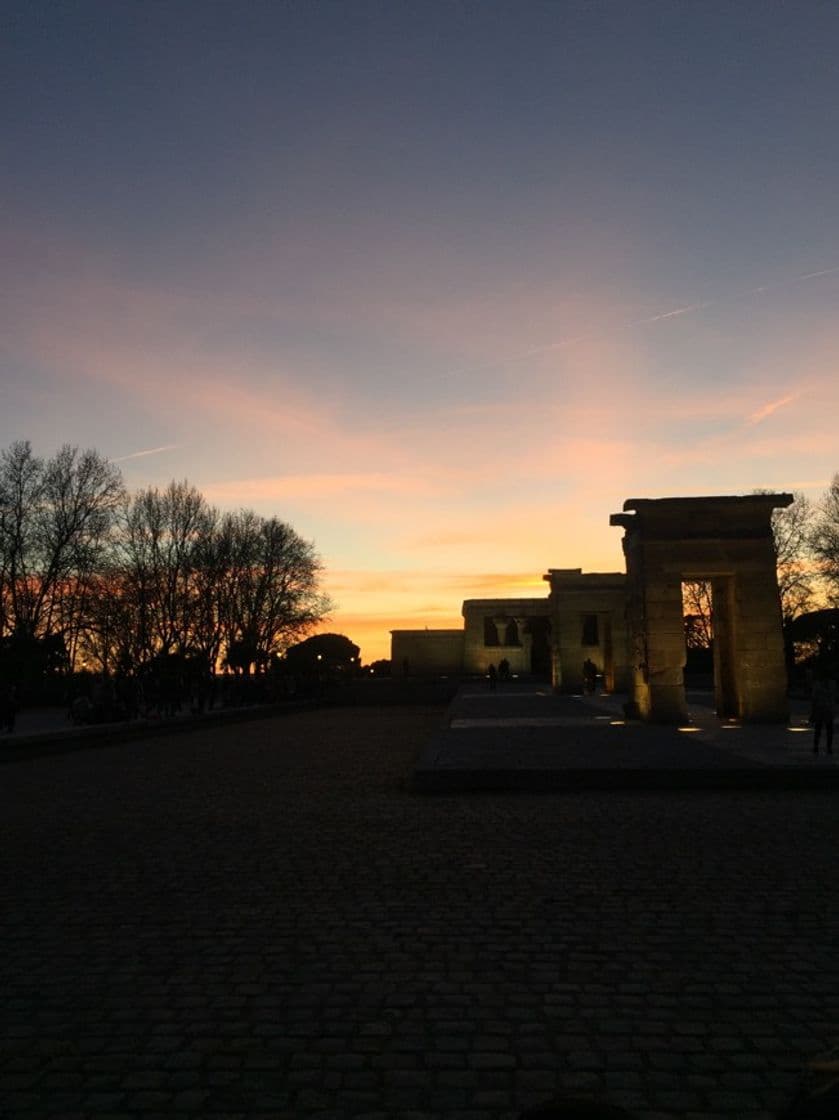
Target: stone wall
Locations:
point(498, 629)
point(588, 622)
point(426, 652)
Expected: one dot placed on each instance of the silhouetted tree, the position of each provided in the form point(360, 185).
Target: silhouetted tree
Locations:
point(159, 554)
point(21, 488)
point(824, 539)
point(792, 531)
point(56, 522)
point(213, 592)
point(197, 583)
point(697, 607)
point(158, 577)
point(111, 639)
point(329, 652)
point(275, 594)
point(815, 636)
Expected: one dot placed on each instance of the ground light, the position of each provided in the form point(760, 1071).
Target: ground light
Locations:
point(617, 723)
point(688, 728)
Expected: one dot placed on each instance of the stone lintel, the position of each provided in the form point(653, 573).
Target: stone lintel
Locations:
point(431, 630)
point(726, 520)
point(670, 506)
point(576, 579)
point(474, 609)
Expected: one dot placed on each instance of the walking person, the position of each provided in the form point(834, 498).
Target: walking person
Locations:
point(822, 703)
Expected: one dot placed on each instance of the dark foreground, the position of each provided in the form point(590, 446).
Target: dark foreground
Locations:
point(263, 919)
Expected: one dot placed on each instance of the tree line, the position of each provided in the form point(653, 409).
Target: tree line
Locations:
point(92, 576)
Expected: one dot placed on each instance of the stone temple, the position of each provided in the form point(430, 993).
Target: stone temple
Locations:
point(630, 624)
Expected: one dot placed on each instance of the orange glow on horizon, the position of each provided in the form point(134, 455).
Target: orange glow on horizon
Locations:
point(371, 604)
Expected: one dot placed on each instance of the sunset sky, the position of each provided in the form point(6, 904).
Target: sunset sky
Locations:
point(440, 284)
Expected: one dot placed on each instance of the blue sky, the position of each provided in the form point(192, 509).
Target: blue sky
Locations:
point(441, 284)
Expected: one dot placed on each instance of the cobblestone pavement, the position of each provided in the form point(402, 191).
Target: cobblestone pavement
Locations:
point(525, 737)
point(264, 920)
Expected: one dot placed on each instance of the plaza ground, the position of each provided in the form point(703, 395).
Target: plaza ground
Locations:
point(522, 736)
point(266, 919)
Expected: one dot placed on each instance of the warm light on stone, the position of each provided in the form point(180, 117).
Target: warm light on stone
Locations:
point(728, 541)
point(630, 627)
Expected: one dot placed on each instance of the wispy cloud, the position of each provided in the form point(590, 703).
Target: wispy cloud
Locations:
point(314, 486)
point(771, 406)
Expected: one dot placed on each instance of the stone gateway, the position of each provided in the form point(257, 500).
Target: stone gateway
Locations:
point(629, 627)
point(729, 542)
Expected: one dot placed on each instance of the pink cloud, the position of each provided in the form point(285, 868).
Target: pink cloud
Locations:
point(318, 486)
point(770, 407)
point(518, 472)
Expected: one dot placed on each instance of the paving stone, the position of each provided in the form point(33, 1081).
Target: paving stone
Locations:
point(457, 1079)
point(335, 946)
point(148, 1100)
point(496, 1100)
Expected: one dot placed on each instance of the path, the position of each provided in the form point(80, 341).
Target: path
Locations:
point(264, 920)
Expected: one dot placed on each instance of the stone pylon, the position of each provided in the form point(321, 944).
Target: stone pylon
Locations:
point(728, 541)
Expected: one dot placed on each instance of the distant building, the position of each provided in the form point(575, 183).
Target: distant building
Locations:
point(581, 618)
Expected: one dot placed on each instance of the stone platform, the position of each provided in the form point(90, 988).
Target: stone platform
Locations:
point(524, 737)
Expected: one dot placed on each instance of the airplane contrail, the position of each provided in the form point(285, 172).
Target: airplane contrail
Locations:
point(688, 309)
point(813, 275)
point(149, 451)
point(672, 314)
point(737, 295)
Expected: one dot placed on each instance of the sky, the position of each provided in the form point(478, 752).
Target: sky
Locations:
point(439, 284)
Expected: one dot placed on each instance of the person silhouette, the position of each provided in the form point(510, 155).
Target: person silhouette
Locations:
point(822, 702)
point(589, 675)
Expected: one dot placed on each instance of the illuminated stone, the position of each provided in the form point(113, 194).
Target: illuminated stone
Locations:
point(631, 626)
point(587, 613)
point(727, 540)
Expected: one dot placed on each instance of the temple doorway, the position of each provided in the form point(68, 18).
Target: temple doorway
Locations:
point(540, 650)
point(709, 654)
point(724, 541)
